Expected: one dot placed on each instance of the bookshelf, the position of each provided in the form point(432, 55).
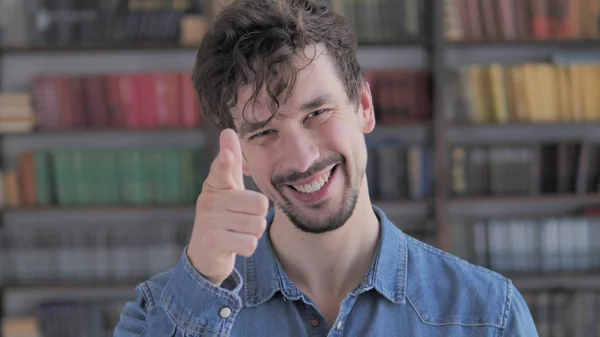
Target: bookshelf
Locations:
point(432, 217)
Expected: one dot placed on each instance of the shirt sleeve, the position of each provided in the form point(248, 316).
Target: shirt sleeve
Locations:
point(182, 301)
point(519, 322)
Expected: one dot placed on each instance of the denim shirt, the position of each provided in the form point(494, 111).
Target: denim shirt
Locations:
point(411, 289)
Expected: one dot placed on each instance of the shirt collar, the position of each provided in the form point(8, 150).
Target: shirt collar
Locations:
point(265, 276)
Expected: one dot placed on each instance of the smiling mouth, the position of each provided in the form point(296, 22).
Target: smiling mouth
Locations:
point(315, 185)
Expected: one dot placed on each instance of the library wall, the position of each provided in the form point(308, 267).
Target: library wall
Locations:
point(487, 146)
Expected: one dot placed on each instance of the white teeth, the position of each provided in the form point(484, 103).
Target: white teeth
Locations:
point(315, 185)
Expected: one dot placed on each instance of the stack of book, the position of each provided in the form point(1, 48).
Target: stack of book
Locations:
point(16, 113)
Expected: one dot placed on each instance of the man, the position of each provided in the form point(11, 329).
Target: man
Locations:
point(281, 78)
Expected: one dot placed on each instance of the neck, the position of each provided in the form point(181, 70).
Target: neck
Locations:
point(330, 264)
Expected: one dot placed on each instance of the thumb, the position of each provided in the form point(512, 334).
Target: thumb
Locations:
point(227, 168)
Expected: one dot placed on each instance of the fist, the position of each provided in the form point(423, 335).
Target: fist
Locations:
point(229, 219)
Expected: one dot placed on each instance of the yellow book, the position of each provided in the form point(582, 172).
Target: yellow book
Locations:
point(564, 94)
point(596, 112)
point(548, 93)
point(589, 91)
point(498, 94)
point(576, 93)
point(517, 74)
point(475, 74)
point(555, 99)
point(509, 85)
point(11, 189)
point(540, 111)
point(529, 81)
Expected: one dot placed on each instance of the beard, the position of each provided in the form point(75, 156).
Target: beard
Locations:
point(341, 214)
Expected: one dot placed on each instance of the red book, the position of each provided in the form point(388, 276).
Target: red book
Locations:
point(423, 106)
point(116, 106)
point(168, 101)
point(192, 116)
point(147, 100)
point(127, 92)
point(77, 101)
point(66, 103)
point(540, 20)
point(46, 92)
point(96, 101)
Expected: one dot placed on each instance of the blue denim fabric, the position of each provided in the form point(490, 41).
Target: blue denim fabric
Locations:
point(411, 289)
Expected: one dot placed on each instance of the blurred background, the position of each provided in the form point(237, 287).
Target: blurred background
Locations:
point(487, 146)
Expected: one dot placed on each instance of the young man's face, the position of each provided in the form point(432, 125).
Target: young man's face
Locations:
point(311, 158)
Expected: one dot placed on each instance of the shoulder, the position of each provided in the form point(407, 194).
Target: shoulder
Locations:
point(444, 289)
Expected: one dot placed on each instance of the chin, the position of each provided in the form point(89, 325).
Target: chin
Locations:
point(322, 217)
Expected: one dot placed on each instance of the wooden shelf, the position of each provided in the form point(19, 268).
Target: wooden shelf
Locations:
point(465, 53)
point(523, 133)
point(110, 48)
point(20, 299)
point(412, 133)
point(404, 209)
point(557, 282)
point(547, 205)
point(586, 43)
point(129, 46)
point(94, 139)
point(70, 285)
point(401, 209)
point(101, 214)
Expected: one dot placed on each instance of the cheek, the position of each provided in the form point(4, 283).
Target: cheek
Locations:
point(258, 165)
point(342, 136)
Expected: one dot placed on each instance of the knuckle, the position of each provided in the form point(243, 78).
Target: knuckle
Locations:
point(250, 245)
point(207, 201)
point(259, 224)
point(263, 203)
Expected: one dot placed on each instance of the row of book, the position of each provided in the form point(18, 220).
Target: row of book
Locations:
point(506, 170)
point(94, 22)
point(145, 100)
point(93, 252)
point(507, 20)
point(102, 252)
point(565, 313)
point(400, 172)
point(529, 92)
point(161, 176)
point(383, 21)
point(548, 245)
point(400, 96)
point(67, 319)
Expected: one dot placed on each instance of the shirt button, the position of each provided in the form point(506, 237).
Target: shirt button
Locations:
point(339, 325)
point(314, 322)
point(225, 312)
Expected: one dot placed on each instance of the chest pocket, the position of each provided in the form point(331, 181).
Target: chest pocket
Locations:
point(159, 324)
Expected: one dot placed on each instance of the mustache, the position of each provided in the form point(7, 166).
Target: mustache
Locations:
point(290, 177)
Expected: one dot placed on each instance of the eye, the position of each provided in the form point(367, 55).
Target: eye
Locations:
point(316, 113)
point(262, 133)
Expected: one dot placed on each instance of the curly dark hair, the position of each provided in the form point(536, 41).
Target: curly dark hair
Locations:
point(255, 42)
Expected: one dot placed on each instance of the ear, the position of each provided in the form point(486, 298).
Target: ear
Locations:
point(367, 110)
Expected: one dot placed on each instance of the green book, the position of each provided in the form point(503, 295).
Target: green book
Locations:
point(43, 178)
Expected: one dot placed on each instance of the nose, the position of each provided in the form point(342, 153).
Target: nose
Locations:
point(299, 151)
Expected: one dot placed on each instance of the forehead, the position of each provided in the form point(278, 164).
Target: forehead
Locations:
point(317, 76)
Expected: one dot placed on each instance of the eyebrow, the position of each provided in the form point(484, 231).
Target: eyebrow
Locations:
point(314, 103)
